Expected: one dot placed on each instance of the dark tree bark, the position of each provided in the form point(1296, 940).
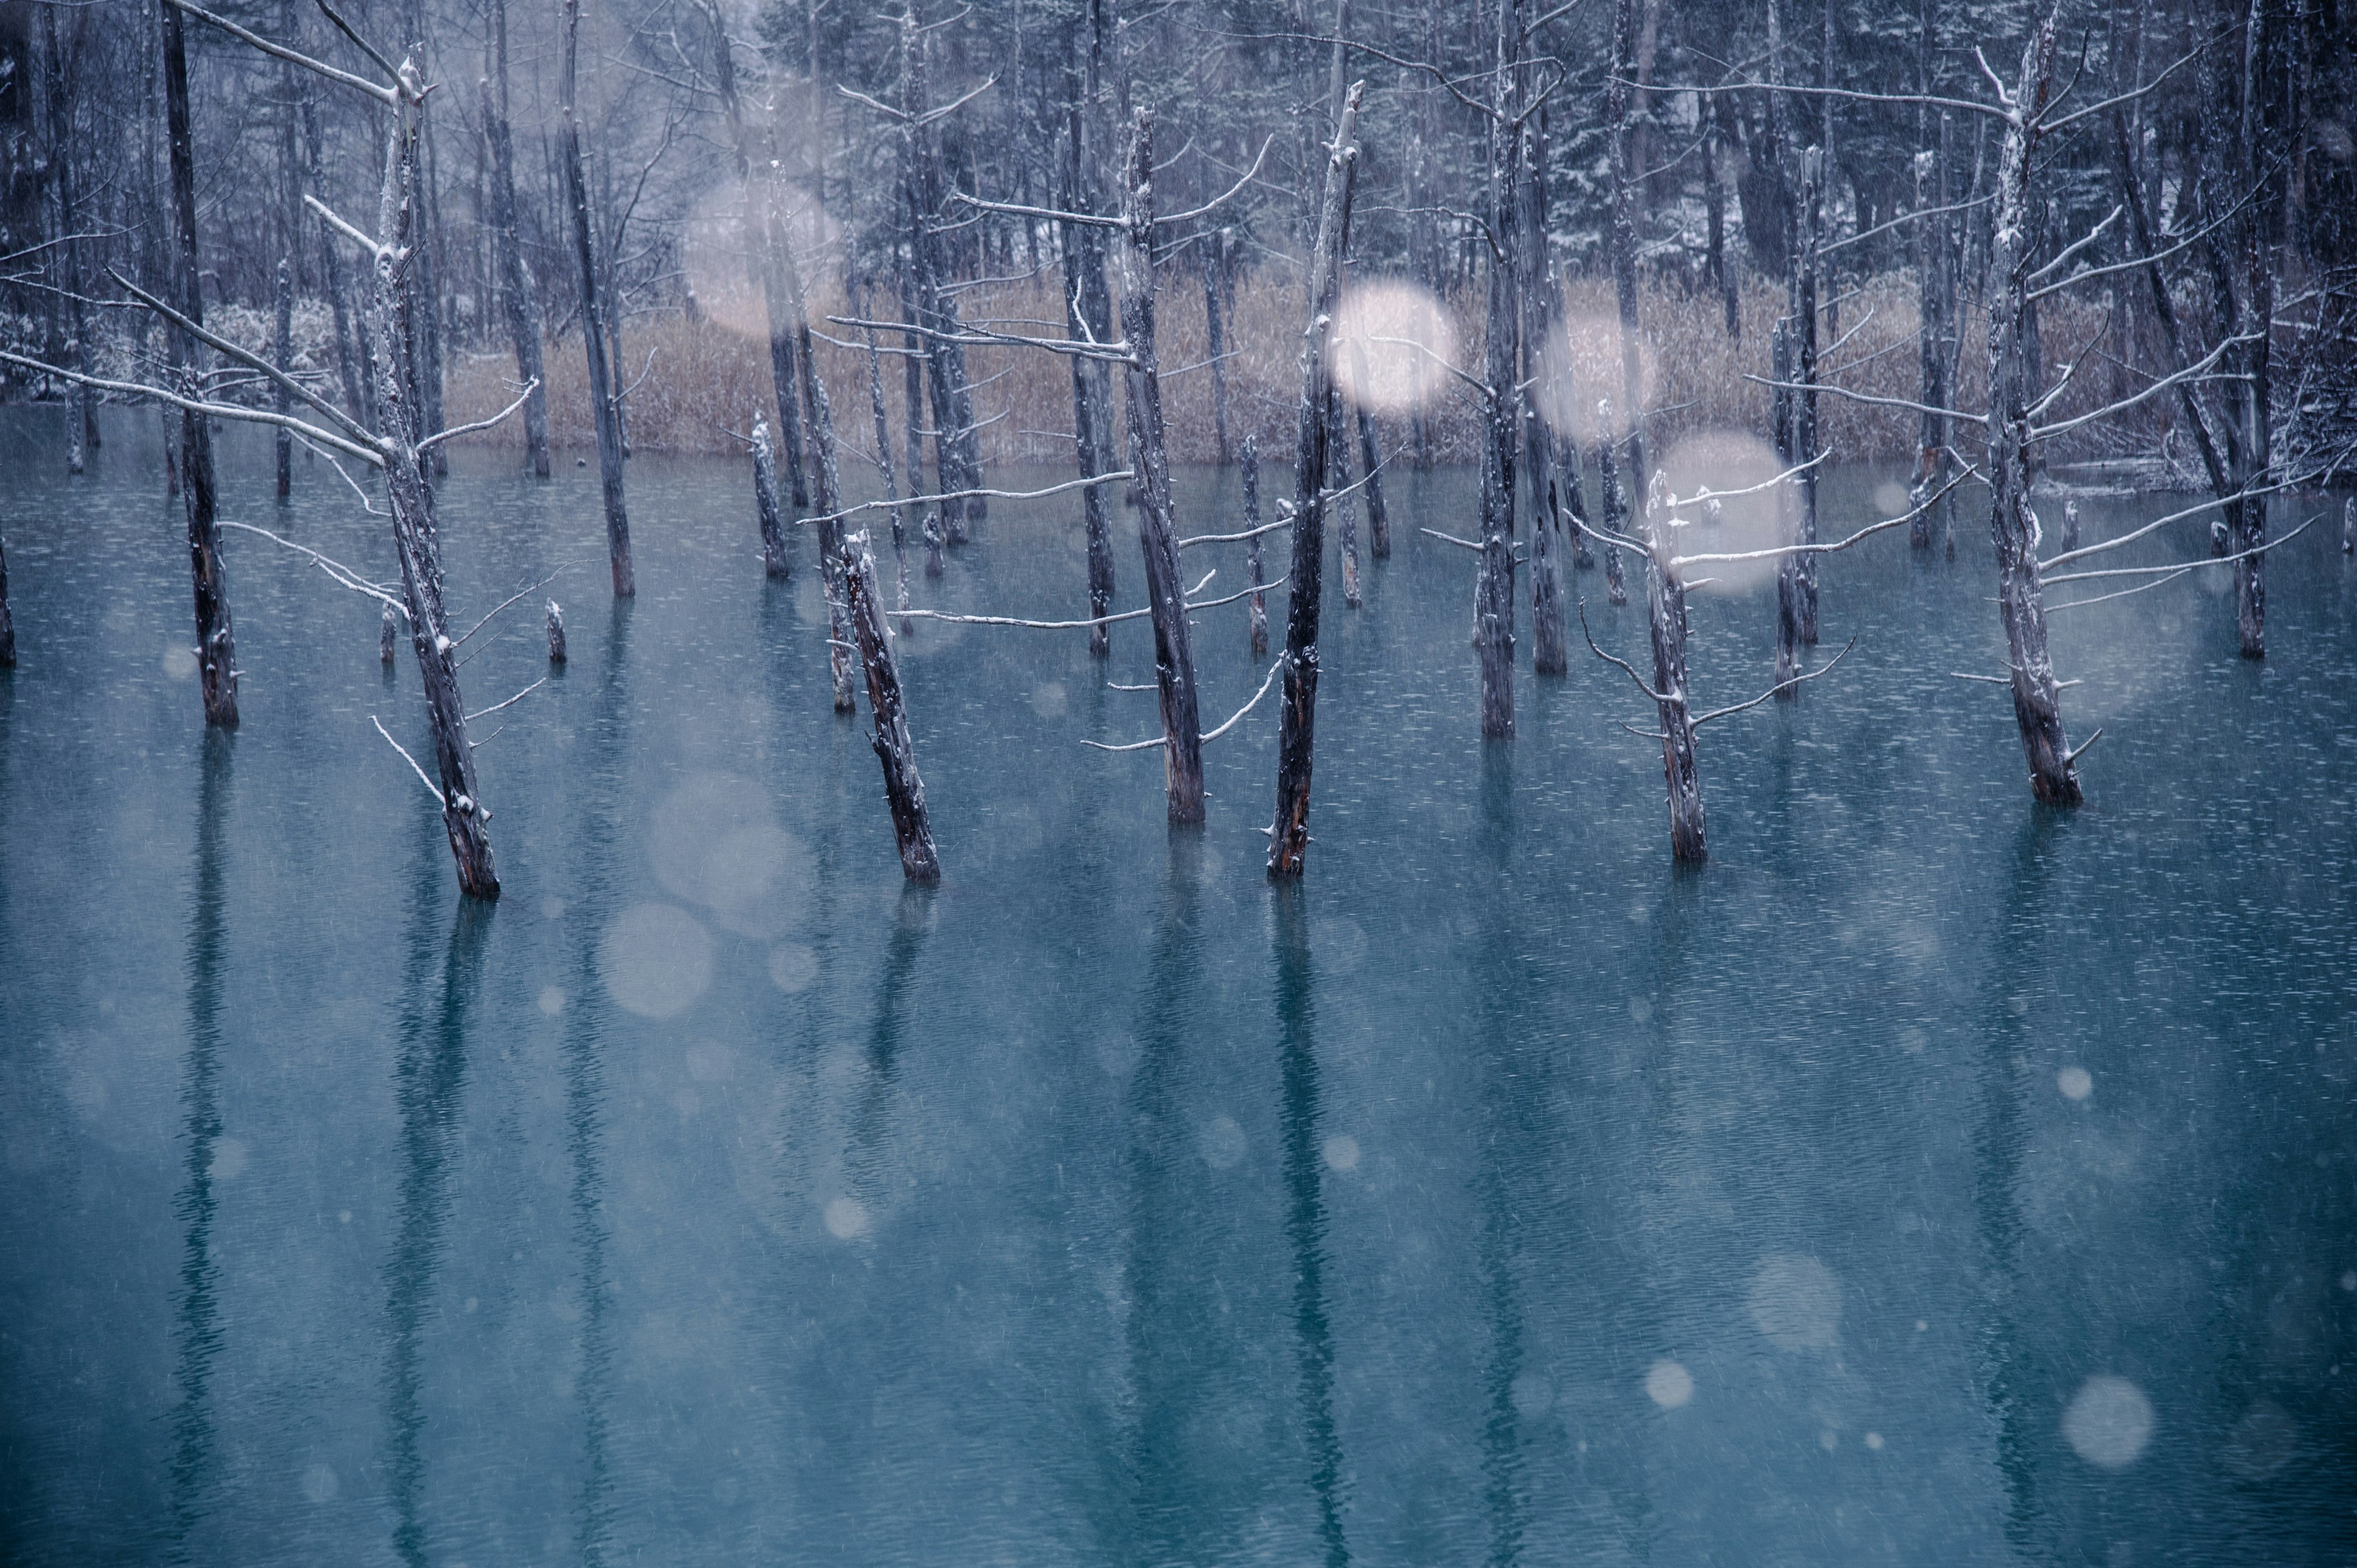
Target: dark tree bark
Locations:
point(1346, 510)
point(1783, 405)
point(775, 559)
point(1539, 304)
point(593, 317)
point(516, 290)
point(2263, 153)
point(904, 791)
point(1149, 458)
point(7, 621)
point(1088, 312)
point(282, 355)
point(1811, 221)
point(2036, 699)
point(1216, 340)
point(884, 466)
point(1370, 464)
point(1935, 285)
point(216, 638)
point(352, 357)
point(415, 538)
point(1493, 589)
point(1665, 596)
point(1616, 505)
point(826, 482)
point(388, 639)
point(1256, 608)
point(65, 213)
point(912, 403)
point(956, 445)
point(555, 625)
point(1288, 837)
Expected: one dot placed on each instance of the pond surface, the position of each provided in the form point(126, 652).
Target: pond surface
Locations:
point(1930, 1178)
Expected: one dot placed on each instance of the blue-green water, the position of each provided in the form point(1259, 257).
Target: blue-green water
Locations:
point(1931, 1178)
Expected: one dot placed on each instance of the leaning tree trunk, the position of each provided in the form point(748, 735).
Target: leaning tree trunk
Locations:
point(593, 317)
point(1493, 591)
point(1288, 836)
point(464, 817)
point(522, 300)
point(1149, 458)
point(2036, 699)
point(216, 638)
point(1665, 596)
point(904, 791)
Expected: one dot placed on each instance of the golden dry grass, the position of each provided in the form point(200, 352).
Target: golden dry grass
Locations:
point(709, 375)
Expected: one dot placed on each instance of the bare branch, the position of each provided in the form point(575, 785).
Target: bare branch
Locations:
point(254, 361)
point(335, 221)
point(430, 788)
point(2212, 561)
point(519, 697)
point(1702, 719)
point(1623, 665)
point(1209, 736)
point(441, 436)
point(1250, 175)
point(388, 96)
point(908, 502)
point(195, 406)
point(337, 573)
point(1862, 397)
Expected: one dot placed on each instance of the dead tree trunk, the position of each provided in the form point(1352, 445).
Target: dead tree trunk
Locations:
point(2262, 161)
point(912, 403)
point(1288, 836)
point(1805, 406)
point(1615, 500)
point(282, 355)
point(1493, 590)
point(519, 296)
point(884, 466)
point(904, 791)
point(826, 482)
point(1665, 596)
point(7, 621)
point(1256, 609)
point(1783, 411)
point(2037, 701)
point(1149, 458)
point(956, 445)
point(216, 638)
point(1088, 312)
point(1215, 339)
point(65, 216)
point(762, 237)
point(359, 378)
point(1346, 510)
point(775, 559)
point(1379, 515)
point(1538, 302)
point(593, 317)
point(464, 819)
point(1935, 281)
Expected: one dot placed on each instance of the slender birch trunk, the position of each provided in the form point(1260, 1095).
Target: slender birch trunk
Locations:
point(1149, 458)
point(2037, 699)
point(593, 339)
point(1288, 837)
point(216, 638)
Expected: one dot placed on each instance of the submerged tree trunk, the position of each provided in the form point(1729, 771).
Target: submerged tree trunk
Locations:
point(65, 215)
point(1493, 589)
point(593, 317)
point(884, 466)
point(1804, 368)
point(1288, 836)
point(1256, 608)
point(1783, 405)
point(904, 791)
point(1149, 458)
point(2036, 699)
point(7, 621)
point(216, 638)
point(2262, 160)
point(775, 560)
point(282, 357)
point(1346, 510)
point(518, 295)
point(1935, 281)
point(1088, 312)
point(464, 817)
point(956, 444)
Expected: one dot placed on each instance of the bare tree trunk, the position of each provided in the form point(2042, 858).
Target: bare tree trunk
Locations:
point(1088, 312)
point(1665, 596)
point(1288, 836)
point(956, 445)
point(1346, 510)
point(1783, 404)
point(2262, 159)
point(912, 403)
point(65, 217)
point(282, 358)
point(7, 621)
point(903, 790)
point(1493, 590)
point(1805, 406)
point(826, 482)
point(523, 301)
point(2036, 699)
point(1149, 457)
point(884, 466)
point(1539, 305)
point(601, 391)
point(216, 638)
point(1256, 608)
point(359, 378)
point(1615, 503)
point(415, 538)
point(1216, 340)
point(775, 559)
point(1935, 281)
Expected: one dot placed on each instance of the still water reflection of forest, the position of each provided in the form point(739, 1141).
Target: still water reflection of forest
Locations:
point(1930, 1178)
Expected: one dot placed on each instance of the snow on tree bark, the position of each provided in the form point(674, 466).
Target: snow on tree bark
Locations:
point(592, 310)
point(904, 791)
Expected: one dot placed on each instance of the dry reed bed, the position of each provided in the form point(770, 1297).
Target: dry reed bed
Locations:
point(708, 376)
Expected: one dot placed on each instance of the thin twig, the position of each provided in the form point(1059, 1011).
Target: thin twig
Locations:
point(430, 788)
